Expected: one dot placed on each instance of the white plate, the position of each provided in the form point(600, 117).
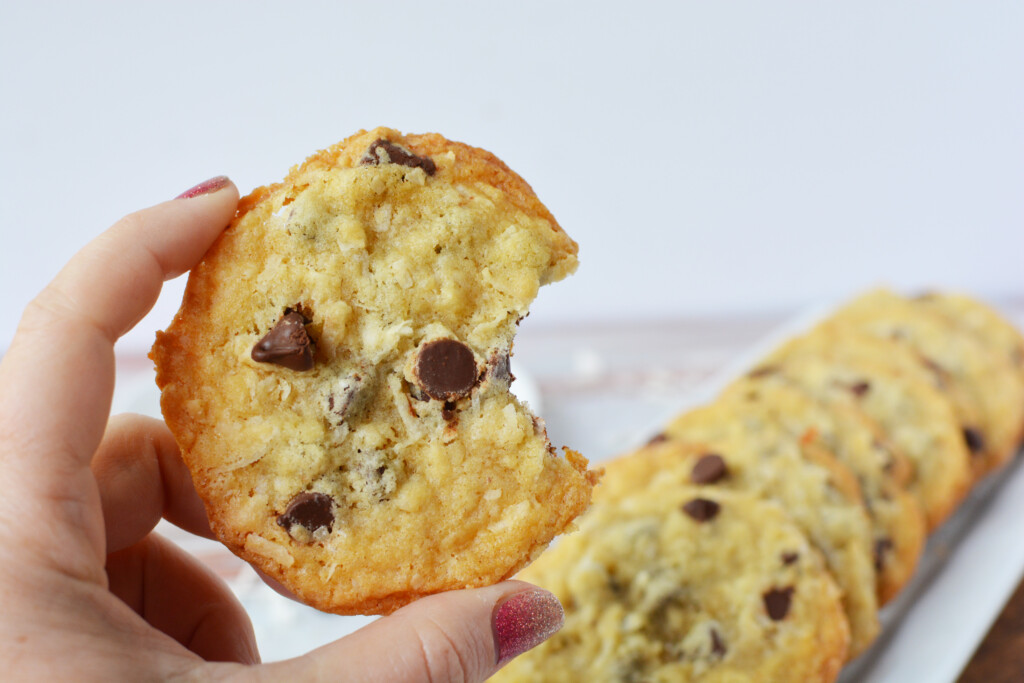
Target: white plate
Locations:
point(969, 569)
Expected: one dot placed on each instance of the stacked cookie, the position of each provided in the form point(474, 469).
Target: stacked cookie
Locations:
point(756, 537)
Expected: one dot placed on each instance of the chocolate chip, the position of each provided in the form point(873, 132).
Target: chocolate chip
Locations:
point(709, 469)
point(763, 371)
point(386, 152)
point(310, 510)
point(882, 546)
point(859, 389)
point(702, 509)
point(287, 344)
point(777, 601)
point(657, 438)
point(718, 648)
point(448, 411)
point(446, 369)
point(789, 558)
point(974, 439)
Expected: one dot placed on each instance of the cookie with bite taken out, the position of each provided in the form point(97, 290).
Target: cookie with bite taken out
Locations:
point(338, 375)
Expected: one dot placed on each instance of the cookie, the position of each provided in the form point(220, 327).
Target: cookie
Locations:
point(338, 375)
point(680, 583)
point(898, 525)
point(730, 445)
point(887, 383)
point(987, 325)
point(980, 380)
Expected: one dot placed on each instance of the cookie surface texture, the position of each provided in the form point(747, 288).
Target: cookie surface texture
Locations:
point(682, 583)
point(338, 375)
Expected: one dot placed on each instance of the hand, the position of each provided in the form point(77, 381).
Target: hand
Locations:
point(87, 590)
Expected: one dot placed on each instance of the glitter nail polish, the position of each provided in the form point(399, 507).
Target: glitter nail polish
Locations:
point(205, 187)
point(524, 621)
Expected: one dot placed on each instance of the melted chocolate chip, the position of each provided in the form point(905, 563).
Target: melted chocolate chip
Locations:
point(882, 546)
point(777, 601)
point(498, 368)
point(859, 389)
point(974, 439)
point(702, 509)
point(446, 369)
point(718, 648)
point(709, 469)
point(448, 411)
point(386, 152)
point(309, 510)
point(789, 558)
point(287, 344)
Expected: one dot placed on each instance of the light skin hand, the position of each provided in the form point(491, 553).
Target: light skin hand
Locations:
point(88, 591)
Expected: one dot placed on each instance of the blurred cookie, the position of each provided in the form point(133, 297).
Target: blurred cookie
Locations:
point(898, 525)
point(739, 447)
point(338, 375)
point(679, 583)
point(987, 325)
point(886, 382)
point(979, 380)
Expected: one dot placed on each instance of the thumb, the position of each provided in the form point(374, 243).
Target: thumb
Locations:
point(463, 635)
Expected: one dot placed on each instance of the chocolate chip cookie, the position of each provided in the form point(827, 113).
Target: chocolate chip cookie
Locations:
point(985, 323)
point(898, 524)
point(979, 380)
point(680, 583)
point(338, 375)
point(846, 367)
point(735, 445)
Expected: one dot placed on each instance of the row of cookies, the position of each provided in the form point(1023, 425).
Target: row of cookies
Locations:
point(756, 537)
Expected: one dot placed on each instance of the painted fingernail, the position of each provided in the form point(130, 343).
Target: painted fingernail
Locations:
point(523, 621)
point(205, 187)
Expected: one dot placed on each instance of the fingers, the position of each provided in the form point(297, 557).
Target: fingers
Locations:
point(57, 378)
point(142, 478)
point(177, 595)
point(458, 636)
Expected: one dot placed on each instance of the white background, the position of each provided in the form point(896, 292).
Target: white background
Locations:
point(711, 157)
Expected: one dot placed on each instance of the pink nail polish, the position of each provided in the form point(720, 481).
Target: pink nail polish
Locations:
point(206, 187)
point(524, 621)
